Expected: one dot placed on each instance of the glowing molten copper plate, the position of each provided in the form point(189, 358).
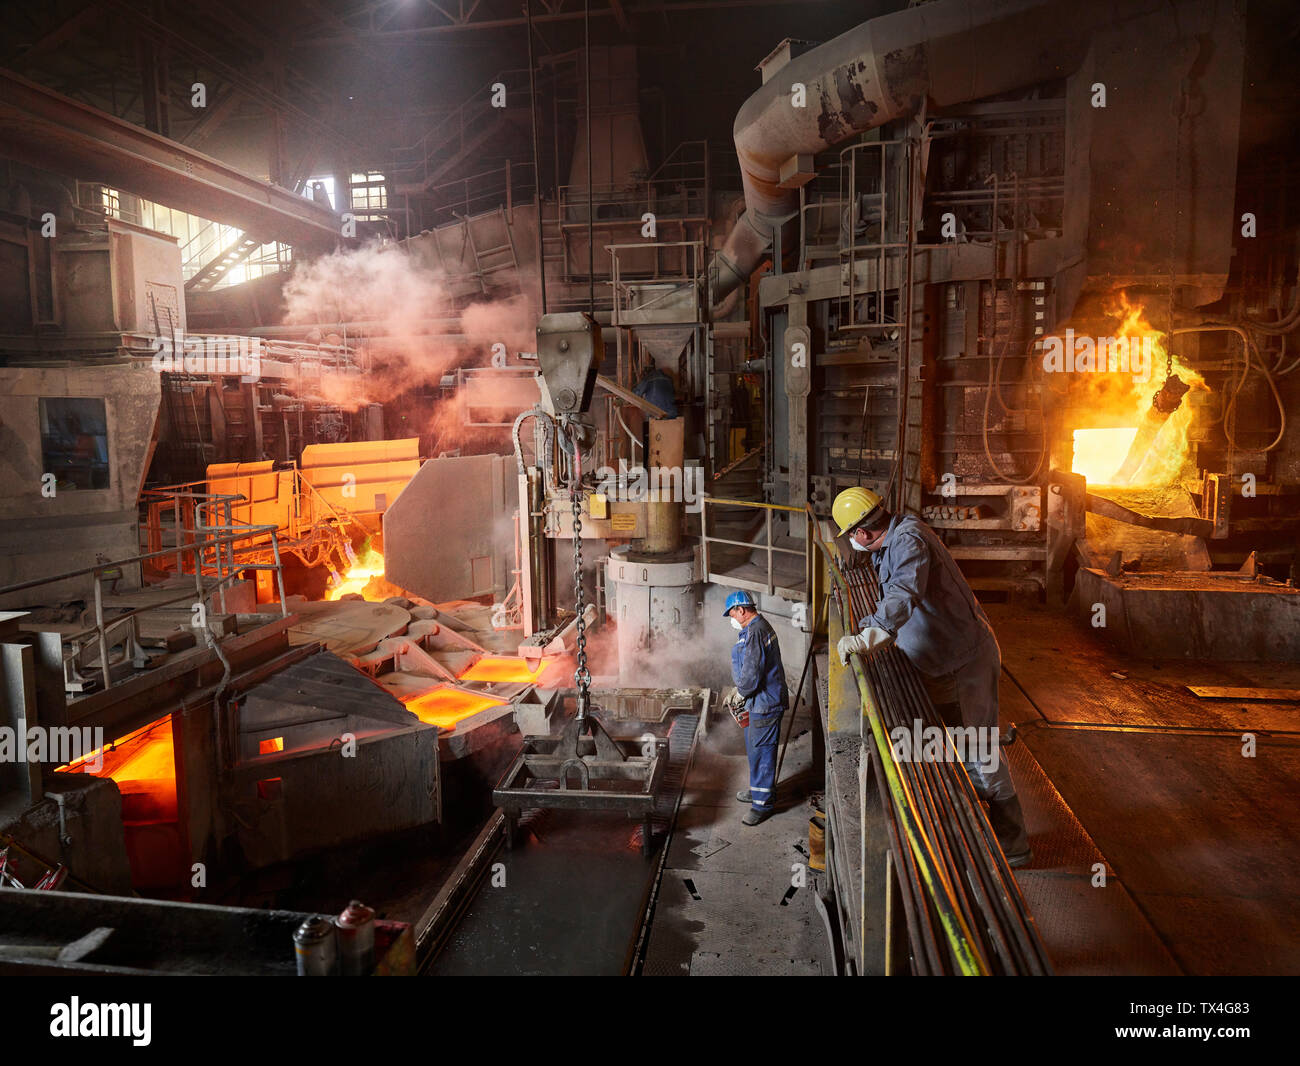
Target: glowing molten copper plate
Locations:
point(501, 668)
point(445, 706)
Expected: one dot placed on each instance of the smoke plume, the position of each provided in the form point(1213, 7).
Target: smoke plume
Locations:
point(415, 329)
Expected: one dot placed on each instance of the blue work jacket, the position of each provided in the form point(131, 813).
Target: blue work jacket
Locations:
point(925, 600)
point(657, 387)
point(757, 670)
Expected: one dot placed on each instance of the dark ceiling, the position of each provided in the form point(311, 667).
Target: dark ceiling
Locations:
point(365, 77)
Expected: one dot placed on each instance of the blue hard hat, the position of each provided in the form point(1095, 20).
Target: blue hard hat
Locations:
point(739, 598)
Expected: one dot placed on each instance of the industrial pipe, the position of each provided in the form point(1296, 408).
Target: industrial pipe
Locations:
point(891, 67)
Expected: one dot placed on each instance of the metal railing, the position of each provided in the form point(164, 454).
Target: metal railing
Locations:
point(102, 635)
point(728, 578)
point(314, 528)
point(482, 193)
point(691, 275)
point(885, 206)
point(677, 190)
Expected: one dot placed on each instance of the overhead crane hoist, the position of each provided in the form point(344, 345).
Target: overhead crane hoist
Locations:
point(584, 768)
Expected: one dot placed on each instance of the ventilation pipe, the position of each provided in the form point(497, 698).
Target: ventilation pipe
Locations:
point(944, 53)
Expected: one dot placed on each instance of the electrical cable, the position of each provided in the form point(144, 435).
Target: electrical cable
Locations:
point(631, 436)
point(995, 359)
point(1250, 357)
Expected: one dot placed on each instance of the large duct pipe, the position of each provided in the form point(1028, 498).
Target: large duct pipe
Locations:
point(946, 52)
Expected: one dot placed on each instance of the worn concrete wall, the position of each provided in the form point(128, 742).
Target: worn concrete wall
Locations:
point(312, 800)
point(42, 535)
point(92, 822)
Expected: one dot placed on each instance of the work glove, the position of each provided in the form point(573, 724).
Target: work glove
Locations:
point(868, 642)
point(734, 703)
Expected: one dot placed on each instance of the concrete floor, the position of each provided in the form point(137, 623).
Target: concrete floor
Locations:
point(723, 905)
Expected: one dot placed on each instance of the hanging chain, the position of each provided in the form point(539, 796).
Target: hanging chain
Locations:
point(1183, 104)
point(581, 676)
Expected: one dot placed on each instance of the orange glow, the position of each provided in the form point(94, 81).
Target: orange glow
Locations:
point(268, 747)
point(1122, 405)
point(143, 764)
point(445, 706)
point(369, 565)
point(501, 668)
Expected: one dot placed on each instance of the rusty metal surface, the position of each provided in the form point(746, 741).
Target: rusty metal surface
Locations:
point(1223, 692)
point(1194, 616)
point(1069, 675)
point(1158, 788)
point(1203, 838)
point(1088, 931)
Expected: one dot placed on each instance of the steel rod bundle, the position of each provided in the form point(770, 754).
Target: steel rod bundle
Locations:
point(963, 908)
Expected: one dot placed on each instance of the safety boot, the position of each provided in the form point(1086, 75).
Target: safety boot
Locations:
point(743, 796)
point(1008, 823)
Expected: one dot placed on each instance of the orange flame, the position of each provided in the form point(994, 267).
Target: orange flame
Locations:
point(370, 565)
point(1121, 403)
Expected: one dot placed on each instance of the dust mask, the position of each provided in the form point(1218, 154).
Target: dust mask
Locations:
point(735, 623)
point(858, 547)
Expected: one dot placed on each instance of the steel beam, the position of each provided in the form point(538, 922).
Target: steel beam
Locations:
point(416, 34)
point(44, 129)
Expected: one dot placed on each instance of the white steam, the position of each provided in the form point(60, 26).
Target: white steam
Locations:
point(409, 308)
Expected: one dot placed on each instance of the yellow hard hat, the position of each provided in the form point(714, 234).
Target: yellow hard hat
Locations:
point(853, 505)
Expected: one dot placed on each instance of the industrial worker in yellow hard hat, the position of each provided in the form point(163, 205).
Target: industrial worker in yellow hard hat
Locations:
point(928, 610)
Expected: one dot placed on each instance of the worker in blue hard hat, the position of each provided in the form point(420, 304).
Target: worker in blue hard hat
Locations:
point(928, 610)
point(761, 692)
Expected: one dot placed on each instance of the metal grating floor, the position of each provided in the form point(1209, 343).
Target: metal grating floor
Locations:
point(1087, 930)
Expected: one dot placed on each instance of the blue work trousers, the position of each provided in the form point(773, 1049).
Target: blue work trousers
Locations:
point(761, 737)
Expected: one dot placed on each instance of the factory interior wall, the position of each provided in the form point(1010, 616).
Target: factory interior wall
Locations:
point(42, 534)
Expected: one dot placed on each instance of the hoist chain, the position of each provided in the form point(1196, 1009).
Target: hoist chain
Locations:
point(581, 676)
point(1183, 103)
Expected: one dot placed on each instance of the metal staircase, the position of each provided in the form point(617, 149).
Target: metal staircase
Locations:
point(211, 273)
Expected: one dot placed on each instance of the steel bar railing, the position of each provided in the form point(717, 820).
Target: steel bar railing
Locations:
point(769, 547)
point(220, 543)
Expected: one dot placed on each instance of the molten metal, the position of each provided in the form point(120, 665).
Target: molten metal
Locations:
point(1139, 431)
point(444, 706)
point(502, 668)
point(1098, 453)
